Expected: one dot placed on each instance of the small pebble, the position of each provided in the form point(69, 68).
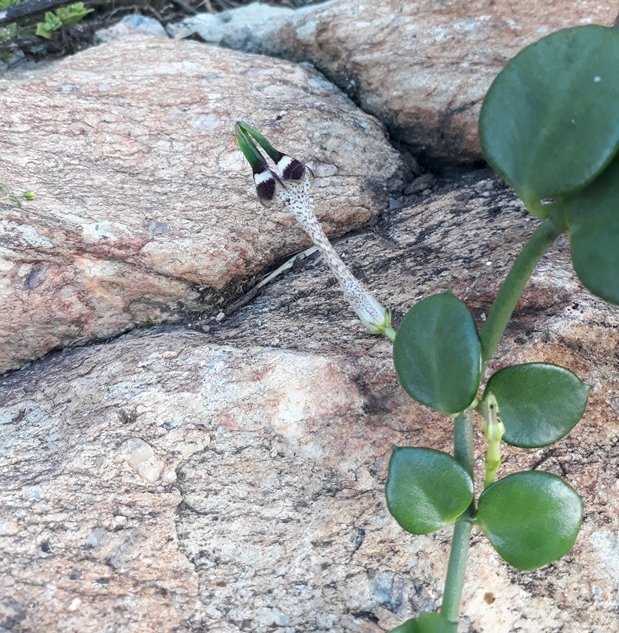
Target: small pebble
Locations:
point(322, 170)
point(419, 184)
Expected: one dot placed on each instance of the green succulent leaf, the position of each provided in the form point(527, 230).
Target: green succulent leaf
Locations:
point(8, 32)
point(550, 123)
point(426, 489)
point(437, 354)
point(595, 255)
point(592, 218)
point(46, 29)
point(427, 623)
point(538, 403)
point(73, 13)
point(531, 518)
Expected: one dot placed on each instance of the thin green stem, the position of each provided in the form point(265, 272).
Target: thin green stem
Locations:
point(456, 568)
point(452, 594)
point(513, 286)
point(499, 315)
point(463, 441)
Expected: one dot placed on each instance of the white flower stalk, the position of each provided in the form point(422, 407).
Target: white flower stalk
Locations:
point(371, 313)
point(288, 187)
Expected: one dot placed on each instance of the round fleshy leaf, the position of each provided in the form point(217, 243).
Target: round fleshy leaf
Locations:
point(531, 518)
point(427, 623)
point(536, 125)
point(538, 403)
point(437, 353)
point(426, 489)
point(595, 255)
point(592, 217)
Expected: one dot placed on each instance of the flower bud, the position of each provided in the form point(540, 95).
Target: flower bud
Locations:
point(493, 425)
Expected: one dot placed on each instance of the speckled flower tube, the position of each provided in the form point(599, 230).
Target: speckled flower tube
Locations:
point(287, 186)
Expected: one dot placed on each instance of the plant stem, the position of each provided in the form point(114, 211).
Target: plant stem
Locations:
point(454, 583)
point(499, 315)
point(452, 594)
point(513, 286)
point(463, 441)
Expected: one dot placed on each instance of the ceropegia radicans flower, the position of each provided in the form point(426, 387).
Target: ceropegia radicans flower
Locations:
point(288, 185)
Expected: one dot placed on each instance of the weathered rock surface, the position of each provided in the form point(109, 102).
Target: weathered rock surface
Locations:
point(422, 67)
point(223, 482)
point(133, 24)
point(231, 479)
point(145, 207)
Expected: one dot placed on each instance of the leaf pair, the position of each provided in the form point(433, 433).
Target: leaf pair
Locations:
point(437, 356)
point(549, 126)
point(530, 518)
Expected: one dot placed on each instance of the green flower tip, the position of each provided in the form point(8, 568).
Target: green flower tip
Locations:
point(267, 181)
point(245, 135)
point(287, 168)
point(251, 153)
point(29, 195)
point(273, 154)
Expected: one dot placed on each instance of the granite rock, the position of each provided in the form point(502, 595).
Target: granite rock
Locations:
point(130, 25)
point(421, 67)
point(233, 481)
point(145, 209)
point(225, 471)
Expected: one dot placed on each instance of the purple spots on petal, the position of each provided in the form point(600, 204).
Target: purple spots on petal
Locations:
point(294, 171)
point(266, 190)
